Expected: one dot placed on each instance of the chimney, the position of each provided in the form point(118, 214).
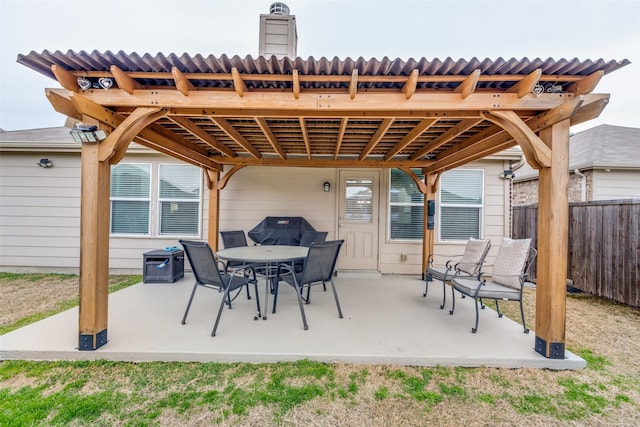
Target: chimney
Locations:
point(278, 34)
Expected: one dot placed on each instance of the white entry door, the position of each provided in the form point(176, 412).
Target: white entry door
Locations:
point(358, 219)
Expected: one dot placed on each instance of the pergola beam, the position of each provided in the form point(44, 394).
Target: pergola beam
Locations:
point(536, 152)
point(236, 136)
point(183, 84)
point(266, 130)
point(375, 139)
point(226, 102)
point(447, 136)
point(468, 85)
point(199, 133)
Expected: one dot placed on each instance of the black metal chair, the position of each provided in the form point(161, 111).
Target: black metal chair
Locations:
point(467, 265)
point(233, 239)
point(510, 270)
point(318, 268)
point(309, 237)
point(207, 274)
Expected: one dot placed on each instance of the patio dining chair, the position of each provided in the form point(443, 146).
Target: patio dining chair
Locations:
point(510, 271)
point(466, 265)
point(318, 268)
point(208, 275)
point(233, 239)
point(309, 237)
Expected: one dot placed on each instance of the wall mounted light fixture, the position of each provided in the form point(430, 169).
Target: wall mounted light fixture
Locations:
point(45, 163)
point(326, 186)
point(84, 133)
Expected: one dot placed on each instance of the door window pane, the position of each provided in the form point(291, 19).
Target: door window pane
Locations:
point(359, 197)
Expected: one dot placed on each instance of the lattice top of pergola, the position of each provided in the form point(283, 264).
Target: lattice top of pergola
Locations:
point(433, 114)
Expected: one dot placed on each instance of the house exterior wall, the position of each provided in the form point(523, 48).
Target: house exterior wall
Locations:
point(40, 212)
point(40, 216)
point(256, 192)
point(612, 184)
point(526, 192)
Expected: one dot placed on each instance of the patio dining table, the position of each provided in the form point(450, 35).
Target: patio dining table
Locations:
point(267, 258)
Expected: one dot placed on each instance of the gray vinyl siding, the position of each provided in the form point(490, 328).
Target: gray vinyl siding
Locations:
point(39, 212)
point(40, 217)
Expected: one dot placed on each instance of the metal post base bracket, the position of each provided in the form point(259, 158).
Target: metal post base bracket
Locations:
point(86, 341)
point(556, 349)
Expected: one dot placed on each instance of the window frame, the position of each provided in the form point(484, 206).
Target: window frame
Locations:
point(155, 211)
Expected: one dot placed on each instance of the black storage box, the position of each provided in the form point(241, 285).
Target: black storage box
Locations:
point(162, 266)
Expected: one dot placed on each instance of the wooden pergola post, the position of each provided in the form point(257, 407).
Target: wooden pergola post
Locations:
point(94, 246)
point(213, 177)
point(428, 234)
point(553, 235)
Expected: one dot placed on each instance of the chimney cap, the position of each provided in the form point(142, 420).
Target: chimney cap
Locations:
point(278, 8)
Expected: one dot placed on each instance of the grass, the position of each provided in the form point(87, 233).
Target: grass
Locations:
point(102, 393)
point(119, 393)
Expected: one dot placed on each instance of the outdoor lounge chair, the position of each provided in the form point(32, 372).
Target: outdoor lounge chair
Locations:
point(207, 274)
point(318, 268)
point(510, 270)
point(468, 265)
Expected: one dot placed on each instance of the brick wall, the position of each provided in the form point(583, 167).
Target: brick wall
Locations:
point(526, 192)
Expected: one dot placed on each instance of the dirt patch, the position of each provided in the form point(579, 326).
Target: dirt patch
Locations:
point(24, 297)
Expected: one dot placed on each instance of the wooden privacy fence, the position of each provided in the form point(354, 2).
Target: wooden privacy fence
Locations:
point(604, 246)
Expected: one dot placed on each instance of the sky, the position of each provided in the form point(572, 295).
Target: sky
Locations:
point(457, 29)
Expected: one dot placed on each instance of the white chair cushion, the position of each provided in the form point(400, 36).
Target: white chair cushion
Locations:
point(473, 252)
point(510, 261)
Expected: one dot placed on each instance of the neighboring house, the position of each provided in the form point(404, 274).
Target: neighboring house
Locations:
point(165, 201)
point(604, 164)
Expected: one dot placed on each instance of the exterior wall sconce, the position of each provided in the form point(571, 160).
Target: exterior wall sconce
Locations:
point(45, 163)
point(326, 186)
point(84, 133)
point(507, 174)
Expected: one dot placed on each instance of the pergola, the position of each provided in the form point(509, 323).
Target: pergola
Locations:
point(434, 115)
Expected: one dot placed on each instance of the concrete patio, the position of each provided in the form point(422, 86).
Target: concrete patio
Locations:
point(386, 321)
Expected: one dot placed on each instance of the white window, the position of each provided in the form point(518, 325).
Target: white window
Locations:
point(461, 201)
point(179, 199)
point(174, 209)
point(130, 198)
point(406, 206)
